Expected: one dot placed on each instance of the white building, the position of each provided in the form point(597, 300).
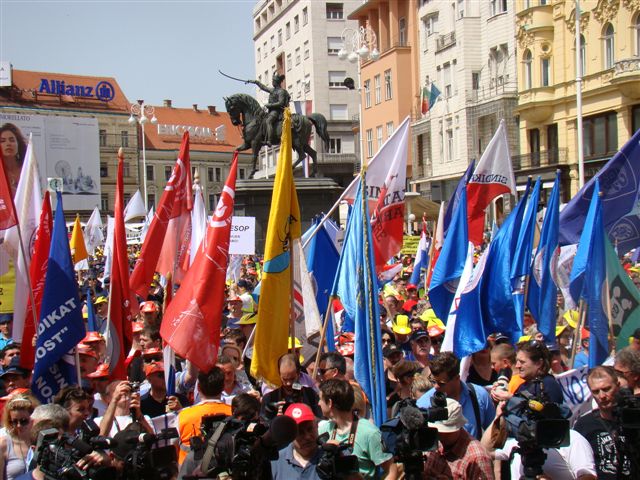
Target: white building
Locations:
point(301, 39)
point(468, 50)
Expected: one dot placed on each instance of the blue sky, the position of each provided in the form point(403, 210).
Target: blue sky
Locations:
point(155, 49)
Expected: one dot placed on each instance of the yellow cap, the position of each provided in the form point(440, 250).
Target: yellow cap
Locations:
point(401, 325)
point(248, 319)
point(572, 317)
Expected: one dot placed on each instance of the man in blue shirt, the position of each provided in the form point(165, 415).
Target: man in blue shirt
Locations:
point(477, 406)
point(6, 323)
point(299, 459)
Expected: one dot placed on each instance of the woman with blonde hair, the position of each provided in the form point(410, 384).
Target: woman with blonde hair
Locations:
point(14, 444)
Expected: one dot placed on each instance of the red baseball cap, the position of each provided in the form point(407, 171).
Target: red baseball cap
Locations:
point(84, 349)
point(300, 412)
point(154, 367)
point(149, 307)
point(411, 286)
point(92, 337)
point(101, 372)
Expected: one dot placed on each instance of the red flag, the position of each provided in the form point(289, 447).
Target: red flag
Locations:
point(119, 335)
point(492, 177)
point(8, 216)
point(37, 272)
point(424, 103)
point(191, 323)
point(166, 245)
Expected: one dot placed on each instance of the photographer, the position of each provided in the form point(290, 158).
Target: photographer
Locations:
point(336, 402)
point(291, 391)
point(299, 460)
point(123, 410)
point(599, 426)
point(458, 454)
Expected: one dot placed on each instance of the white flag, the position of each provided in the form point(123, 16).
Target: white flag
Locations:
point(147, 223)
point(108, 248)
point(198, 222)
point(93, 235)
point(135, 207)
point(307, 314)
point(28, 200)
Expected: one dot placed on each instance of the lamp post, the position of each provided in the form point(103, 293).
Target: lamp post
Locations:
point(140, 112)
point(359, 44)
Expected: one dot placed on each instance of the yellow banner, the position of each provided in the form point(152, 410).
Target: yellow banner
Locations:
point(410, 244)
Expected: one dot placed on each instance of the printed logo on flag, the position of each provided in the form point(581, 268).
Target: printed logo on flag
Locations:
point(616, 182)
point(623, 304)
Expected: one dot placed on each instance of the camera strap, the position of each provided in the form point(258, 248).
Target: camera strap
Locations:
point(211, 445)
point(476, 410)
point(351, 440)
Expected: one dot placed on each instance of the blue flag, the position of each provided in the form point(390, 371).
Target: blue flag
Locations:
point(421, 262)
point(61, 326)
point(588, 275)
point(91, 314)
point(543, 291)
point(455, 197)
point(322, 263)
point(450, 264)
point(620, 187)
point(498, 307)
point(357, 286)
point(521, 266)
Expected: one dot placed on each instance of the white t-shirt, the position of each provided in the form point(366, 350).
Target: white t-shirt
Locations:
point(564, 463)
point(120, 422)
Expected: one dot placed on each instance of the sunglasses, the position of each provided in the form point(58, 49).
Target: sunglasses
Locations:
point(322, 371)
point(23, 422)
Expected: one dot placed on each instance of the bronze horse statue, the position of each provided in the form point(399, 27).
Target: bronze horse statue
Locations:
point(245, 110)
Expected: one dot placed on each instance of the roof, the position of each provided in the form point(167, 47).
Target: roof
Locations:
point(64, 91)
point(201, 124)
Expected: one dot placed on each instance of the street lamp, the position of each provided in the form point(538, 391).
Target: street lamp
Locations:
point(359, 44)
point(140, 112)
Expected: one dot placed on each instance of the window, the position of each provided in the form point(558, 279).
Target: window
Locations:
point(289, 62)
point(104, 202)
point(600, 137)
point(334, 44)
point(387, 85)
point(635, 119)
point(335, 145)
point(528, 72)
point(305, 16)
point(307, 83)
point(336, 78)
point(379, 136)
point(446, 79)
point(460, 8)
point(552, 143)
point(241, 173)
point(126, 169)
point(402, 32)
point(124, 138)
point(534, 146)
point(583, 56)
point(378, 88)
point(545, 67)
point(259, 56)
point(498, 6)
point(298, 56)
point(389, 129)
point(450, 144)
point(167, 172)
point(218, 177)
point(306, 49)
point(335, 11)
point(104, 170)
point(273, 43)
point(151, 200)
point(150, 173)
point(280, 37)
point(608, 46)
point(367, 93)
point(369, 143)
point(212, 202)
point(296, 24)
point(103, 138)
point(264, 50)
point(636, 39)
point(475, 80)
point(210, 174)
point(431, 24)
point(287, 30)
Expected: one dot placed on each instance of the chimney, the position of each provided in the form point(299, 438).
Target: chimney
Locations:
point(195, 107)
point(212, 109)
point(167, 103)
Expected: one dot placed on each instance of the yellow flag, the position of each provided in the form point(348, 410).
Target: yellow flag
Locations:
point(78, 249)
point(272, 329)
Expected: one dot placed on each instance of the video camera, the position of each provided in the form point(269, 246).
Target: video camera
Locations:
point(409, 435)
point(239, 447)
point(626, 416)
point(143, 458)
point(337, 461)
point(536, 424)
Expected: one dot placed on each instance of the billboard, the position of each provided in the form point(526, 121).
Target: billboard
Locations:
point(68, 148)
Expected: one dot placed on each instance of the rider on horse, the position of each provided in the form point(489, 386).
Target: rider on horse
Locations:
point(278, 100)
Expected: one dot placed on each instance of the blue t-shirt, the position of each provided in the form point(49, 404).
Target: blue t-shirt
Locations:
point(287, 467)
point(550, 386)
point(485, 406)
point(581, 360)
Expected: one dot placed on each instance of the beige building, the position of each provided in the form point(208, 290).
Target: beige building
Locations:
point(609, 54)
point(301, 39)
point(467, 50)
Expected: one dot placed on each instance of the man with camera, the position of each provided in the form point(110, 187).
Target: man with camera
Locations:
point(458, 455)
point(299, 459)
point(600, 428)
point(343, 427)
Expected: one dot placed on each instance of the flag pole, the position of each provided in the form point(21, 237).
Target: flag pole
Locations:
point(609, 316)
point(323, 336)
point(27, 270)
point(582, 312)
point(78, 372)
point(292, 300)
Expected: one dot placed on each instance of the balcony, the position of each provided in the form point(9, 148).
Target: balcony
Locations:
point(111, 142)
point(337, 158)
point(445, 41)
point(545, 158)
point(536, 104)
point(626, 76)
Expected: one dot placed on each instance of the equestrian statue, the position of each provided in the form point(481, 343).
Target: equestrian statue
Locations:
point(263, 126)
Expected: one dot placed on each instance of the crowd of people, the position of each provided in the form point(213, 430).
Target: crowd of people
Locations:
point(323, 398)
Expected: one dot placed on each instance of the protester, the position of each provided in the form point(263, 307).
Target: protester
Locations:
point(332, 365)
point(14, 376)
point(627, 365)
point(77, 403)
point(14, 445)
point(156, 402)
point(232, 386)
point(420, 348)
point(6, 325)
point(99, 382)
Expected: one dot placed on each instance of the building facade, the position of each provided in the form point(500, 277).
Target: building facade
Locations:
point(609, 56)
point(301, 39)
point(467, 50)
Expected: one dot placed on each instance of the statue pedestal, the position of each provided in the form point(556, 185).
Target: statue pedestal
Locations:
point(253, 199)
